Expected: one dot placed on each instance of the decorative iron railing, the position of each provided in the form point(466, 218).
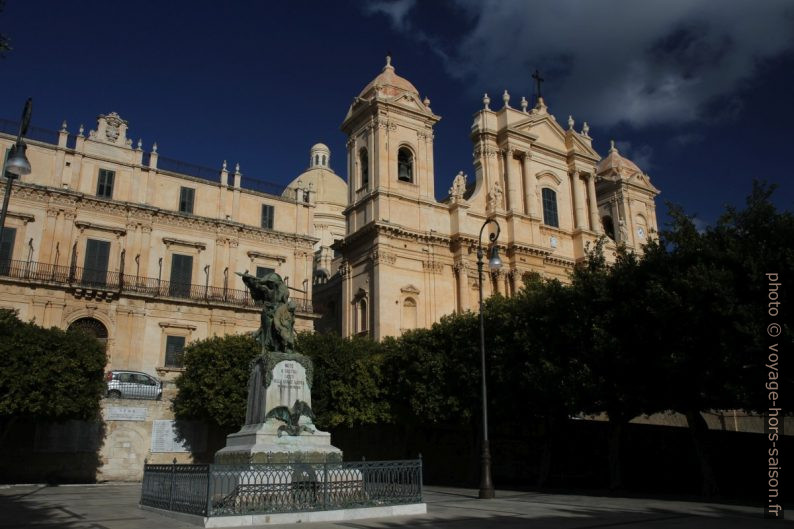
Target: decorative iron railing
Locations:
point(76, 277)
point(223, 490)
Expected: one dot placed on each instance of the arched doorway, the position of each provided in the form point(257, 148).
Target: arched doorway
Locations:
point(92, 327)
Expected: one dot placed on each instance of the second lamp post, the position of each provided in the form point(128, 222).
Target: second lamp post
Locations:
point(486, 484)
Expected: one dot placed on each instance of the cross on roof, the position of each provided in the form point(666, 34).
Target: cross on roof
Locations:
point(538, 79)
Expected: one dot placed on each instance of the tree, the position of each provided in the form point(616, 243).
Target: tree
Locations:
point(214, 385)
point(348, 387)
point(48, 374)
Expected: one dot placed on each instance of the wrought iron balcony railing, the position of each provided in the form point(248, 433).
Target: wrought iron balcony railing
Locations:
point(86, 279)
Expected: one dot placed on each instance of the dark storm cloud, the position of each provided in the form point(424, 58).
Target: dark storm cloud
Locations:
point(612, 61)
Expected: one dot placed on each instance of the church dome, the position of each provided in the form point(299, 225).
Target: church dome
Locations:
point(389, 82)
point(326, 185)
point(614, 162)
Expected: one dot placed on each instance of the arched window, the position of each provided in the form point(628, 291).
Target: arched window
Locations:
point(316, 159)
point(363, 162)
point(409, 314)
point(550, 207)
point(92, 327)
point(405, 165)
point(609, 226)
point(323, 160)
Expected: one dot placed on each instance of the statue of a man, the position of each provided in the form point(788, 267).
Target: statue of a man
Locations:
point(277, 331)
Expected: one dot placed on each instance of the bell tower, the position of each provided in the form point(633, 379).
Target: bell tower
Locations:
point(389, 152)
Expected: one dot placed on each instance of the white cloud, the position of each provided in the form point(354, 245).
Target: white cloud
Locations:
point(613, 61)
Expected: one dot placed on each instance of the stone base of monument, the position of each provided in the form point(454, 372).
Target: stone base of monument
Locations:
point(263, 443)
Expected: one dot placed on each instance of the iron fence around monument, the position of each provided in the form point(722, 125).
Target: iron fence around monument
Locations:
point(269, 488)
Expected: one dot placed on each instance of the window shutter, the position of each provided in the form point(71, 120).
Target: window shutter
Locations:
point(174, 347)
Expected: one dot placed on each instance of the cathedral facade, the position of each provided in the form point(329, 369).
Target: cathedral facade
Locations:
point(407, 259)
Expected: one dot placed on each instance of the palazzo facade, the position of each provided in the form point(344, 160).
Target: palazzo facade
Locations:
point(142, 250)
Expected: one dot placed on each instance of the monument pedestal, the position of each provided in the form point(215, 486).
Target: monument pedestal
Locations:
point(261, 443)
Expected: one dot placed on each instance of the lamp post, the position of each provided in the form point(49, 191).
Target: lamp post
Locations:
point(486, 484)
point(17, 164)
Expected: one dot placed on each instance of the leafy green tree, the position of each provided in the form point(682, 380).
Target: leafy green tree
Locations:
point(348, 387)
point(214, 385)
point(48, 374)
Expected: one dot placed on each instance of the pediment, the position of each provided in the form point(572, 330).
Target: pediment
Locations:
point(410, 101)
point(547, 131)
point(409, 289)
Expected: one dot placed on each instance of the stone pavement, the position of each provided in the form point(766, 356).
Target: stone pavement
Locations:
point(115, 506)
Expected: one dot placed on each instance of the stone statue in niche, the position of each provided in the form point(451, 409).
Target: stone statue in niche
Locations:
point(495, 197)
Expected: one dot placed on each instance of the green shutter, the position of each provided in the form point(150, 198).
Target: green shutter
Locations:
point(95, 264)
point(174, 347)
point(181, 275)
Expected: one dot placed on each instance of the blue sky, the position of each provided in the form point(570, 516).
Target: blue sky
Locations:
point(697, 92)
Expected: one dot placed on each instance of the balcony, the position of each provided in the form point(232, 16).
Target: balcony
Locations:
point(100, 284)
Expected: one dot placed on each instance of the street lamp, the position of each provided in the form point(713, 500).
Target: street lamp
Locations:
point(486, 484)
point(17, 164)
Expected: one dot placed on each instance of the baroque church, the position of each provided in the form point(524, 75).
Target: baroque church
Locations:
point(407, 259)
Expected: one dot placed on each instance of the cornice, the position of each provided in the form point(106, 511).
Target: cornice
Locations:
point(151, 215)
point(83, 225)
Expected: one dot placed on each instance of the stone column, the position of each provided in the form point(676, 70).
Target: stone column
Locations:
point(530, 188)
point(462, 279)
point(578, 201)
point(595, 223)
point(512, 184)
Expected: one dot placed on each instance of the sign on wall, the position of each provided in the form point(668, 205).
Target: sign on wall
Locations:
point(125, 414)
point(170, 436)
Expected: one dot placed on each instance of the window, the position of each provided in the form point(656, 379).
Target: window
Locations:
point(186, 197)
point(316, 159)
point(323, 159)
point(174, 347)
point(95, 264)
point(363, 160)
point(550, 207)
point(104, 186)
point(405, 165)
point(181, 275)
point(7, 249)
point(262, 271)
point(267, 216)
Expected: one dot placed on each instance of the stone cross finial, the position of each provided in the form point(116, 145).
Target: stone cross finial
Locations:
point(506, 99)
point(524, 104)
point(538, 80)
point(486, 101)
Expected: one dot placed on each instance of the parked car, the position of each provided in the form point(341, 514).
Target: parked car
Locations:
point(133, 385)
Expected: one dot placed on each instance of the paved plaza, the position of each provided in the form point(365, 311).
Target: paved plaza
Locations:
point(115, 506)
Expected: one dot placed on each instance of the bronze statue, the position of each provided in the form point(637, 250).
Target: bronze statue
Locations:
point(277, 331)
point(277, 338)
